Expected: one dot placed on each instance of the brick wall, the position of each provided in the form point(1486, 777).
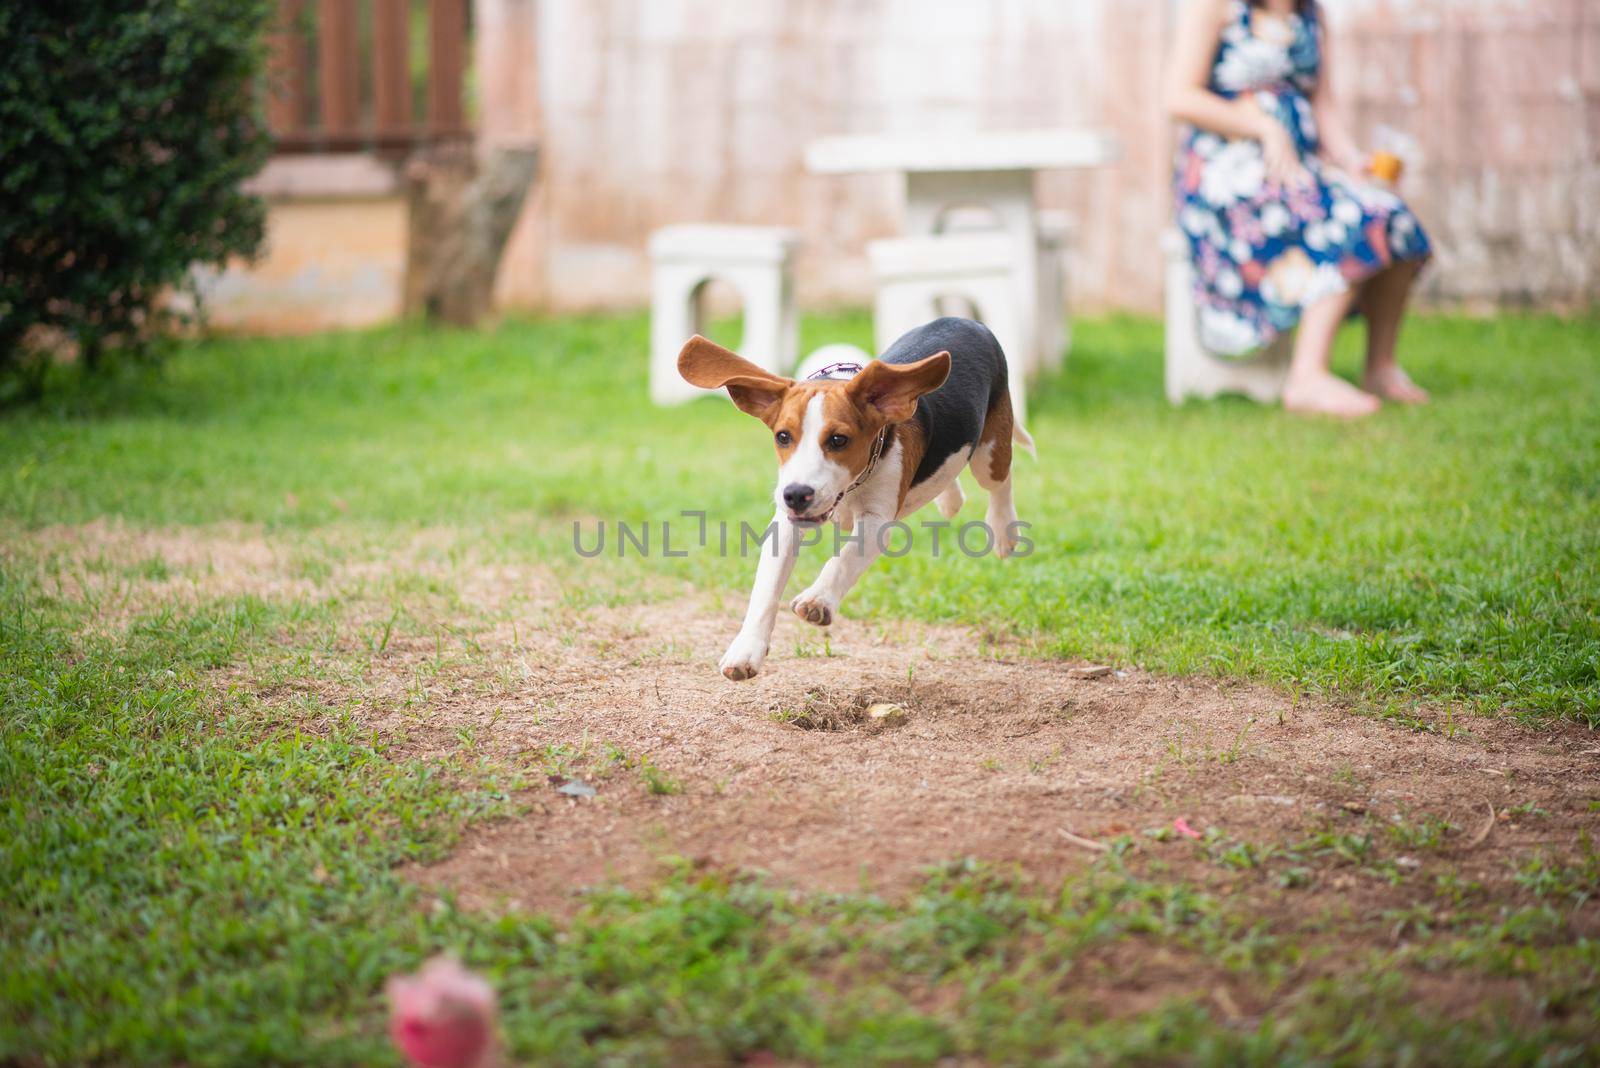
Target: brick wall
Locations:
point(659, 111)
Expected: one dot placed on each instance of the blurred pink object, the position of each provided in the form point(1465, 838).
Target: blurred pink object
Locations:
point(442, 1017)
point(1181, 825)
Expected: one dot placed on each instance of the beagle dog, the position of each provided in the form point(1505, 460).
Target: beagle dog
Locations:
point(866, 449)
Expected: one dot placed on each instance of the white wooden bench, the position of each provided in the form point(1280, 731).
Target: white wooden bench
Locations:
point(912, 275)
point(947, 171)
point(758, 261)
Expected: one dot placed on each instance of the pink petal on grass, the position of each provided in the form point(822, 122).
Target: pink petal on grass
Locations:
point(442, 1017)
point(1181, 825)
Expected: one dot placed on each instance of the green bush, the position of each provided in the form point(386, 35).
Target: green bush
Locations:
point(126, 127)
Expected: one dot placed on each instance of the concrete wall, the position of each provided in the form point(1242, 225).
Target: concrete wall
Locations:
point(334, 256)
point(659, 111)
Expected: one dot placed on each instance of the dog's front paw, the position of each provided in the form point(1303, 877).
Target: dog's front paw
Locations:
point(743, 658)
point(815, 608)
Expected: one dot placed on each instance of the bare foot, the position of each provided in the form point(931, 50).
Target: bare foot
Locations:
point(1328, 395)
point(1392, 383)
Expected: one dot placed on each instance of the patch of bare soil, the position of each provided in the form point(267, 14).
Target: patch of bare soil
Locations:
point(907, 747)
point(119, 571)
point(859, 757)
point(862, 757)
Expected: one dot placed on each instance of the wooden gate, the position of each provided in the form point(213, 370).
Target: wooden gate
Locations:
point(359, 75)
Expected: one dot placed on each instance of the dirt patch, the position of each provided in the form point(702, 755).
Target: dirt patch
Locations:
point(122, 570)
point(854, 762)
point(906, 747)
point(118, 571)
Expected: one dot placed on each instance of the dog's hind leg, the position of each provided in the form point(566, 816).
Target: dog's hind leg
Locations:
point(951, 500)
point(991, 467)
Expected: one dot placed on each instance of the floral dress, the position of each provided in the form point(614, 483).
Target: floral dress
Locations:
point(1262, 252)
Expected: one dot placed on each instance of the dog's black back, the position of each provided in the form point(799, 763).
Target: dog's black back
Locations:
point(952, 416)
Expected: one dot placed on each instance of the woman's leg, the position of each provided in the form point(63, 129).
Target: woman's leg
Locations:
point(1311, 387)
point(1384, 303)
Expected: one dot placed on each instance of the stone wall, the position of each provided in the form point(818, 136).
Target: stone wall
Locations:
point(659, 111)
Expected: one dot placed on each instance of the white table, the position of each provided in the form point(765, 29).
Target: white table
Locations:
point(957, 171)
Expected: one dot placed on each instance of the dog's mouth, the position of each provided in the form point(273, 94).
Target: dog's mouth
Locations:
point(810, 519)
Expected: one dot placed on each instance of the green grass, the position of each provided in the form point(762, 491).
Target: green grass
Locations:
point(195, 878)
point(1450, 553)
point(169, 866)
point(192, 873)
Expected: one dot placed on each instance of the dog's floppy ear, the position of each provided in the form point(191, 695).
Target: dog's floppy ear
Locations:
point(708, 365)
point(890, 390)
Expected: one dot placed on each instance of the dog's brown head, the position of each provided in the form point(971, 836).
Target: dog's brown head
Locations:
point(824, 430)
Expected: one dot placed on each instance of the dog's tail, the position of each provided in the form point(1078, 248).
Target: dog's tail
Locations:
point(1021, 437)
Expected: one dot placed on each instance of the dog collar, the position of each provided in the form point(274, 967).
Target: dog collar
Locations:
point(866, 472)
point(838, 371)
point(835, 371)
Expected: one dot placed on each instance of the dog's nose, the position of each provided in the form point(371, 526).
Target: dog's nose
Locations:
point(797, 496)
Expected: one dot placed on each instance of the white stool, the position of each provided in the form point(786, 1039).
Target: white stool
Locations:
point(913, 273)
point(1053, 238)
point(756, 260)
point(1055, 329)
point(1191, 370)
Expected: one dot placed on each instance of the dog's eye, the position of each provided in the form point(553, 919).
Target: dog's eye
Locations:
point(784, 438)
point(837, 442)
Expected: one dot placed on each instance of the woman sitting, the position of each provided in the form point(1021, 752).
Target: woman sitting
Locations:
point(1282, 228)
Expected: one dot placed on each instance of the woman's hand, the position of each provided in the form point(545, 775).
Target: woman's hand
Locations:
point(1347, 158)
point(1284, 166)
